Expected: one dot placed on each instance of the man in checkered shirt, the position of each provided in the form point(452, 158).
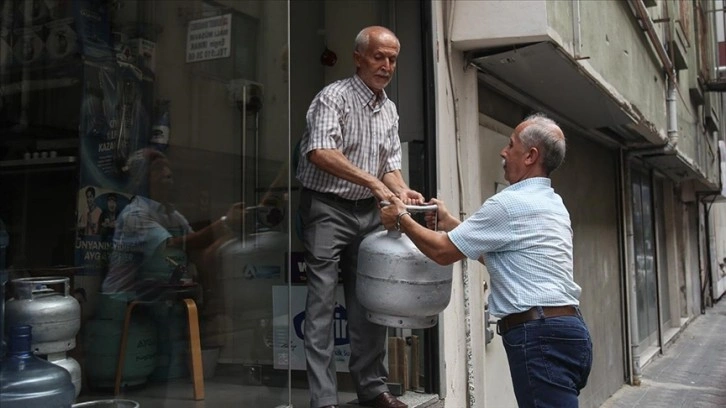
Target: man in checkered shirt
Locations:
point(350, 159)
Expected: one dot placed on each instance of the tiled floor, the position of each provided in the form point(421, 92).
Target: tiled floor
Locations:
point(690, 373)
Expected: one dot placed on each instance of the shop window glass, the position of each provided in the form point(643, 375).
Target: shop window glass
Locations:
point(130, 128)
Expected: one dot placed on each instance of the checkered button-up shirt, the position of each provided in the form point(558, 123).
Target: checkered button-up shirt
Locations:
point(524, 235)
point(346, 116)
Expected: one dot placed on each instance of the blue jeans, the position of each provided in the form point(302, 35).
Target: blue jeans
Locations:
point(549, 360)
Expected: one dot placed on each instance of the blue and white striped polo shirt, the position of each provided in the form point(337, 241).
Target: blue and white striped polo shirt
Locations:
point(345, 116)
point(524, 235)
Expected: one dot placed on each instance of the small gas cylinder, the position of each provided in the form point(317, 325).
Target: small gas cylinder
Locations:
point(54, 315)
point(397, 284)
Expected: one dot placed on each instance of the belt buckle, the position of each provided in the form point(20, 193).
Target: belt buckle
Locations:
point(499, 328)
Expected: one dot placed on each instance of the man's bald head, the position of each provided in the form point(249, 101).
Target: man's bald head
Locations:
point(379, 32)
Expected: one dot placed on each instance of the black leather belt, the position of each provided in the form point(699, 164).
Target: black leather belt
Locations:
point(513, 320)
point(363, 202)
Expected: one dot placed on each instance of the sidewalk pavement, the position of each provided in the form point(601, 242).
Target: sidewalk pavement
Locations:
point(691, 373)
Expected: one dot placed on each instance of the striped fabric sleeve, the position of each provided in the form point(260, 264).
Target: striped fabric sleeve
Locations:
point(393, 161)
point(323, 120)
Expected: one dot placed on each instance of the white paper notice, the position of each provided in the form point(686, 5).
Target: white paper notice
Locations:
point(209, 38)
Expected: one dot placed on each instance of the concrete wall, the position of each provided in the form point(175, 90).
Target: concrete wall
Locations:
point(615, 49)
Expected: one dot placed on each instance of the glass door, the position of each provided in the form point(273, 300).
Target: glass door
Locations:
point(645, 266)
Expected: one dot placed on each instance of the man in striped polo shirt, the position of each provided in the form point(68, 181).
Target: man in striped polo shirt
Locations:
point(350, 160)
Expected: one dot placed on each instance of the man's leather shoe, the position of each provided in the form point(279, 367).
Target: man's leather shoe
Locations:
point(384, 400)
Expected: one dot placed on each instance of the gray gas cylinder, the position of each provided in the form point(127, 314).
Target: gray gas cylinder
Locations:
point(397, 284)
point(54, 315)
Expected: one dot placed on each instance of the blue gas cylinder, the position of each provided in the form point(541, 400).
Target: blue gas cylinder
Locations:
point(27, 381)
point(102, 340)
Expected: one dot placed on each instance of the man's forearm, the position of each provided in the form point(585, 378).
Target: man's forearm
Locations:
point(435, 245)
point(394, 181)
point(450, 223)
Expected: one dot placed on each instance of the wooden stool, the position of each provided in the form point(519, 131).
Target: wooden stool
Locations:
point(195, 347)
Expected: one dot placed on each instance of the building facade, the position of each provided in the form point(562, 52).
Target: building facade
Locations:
point(221, 88)
point(636, 87)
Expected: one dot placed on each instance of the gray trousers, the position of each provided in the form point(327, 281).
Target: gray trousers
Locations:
point(333, 229)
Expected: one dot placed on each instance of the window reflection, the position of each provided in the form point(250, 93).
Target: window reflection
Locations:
point(130, 128)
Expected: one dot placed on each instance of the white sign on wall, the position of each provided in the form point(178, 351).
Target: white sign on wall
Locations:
point(292, 351)
point(209, 38)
